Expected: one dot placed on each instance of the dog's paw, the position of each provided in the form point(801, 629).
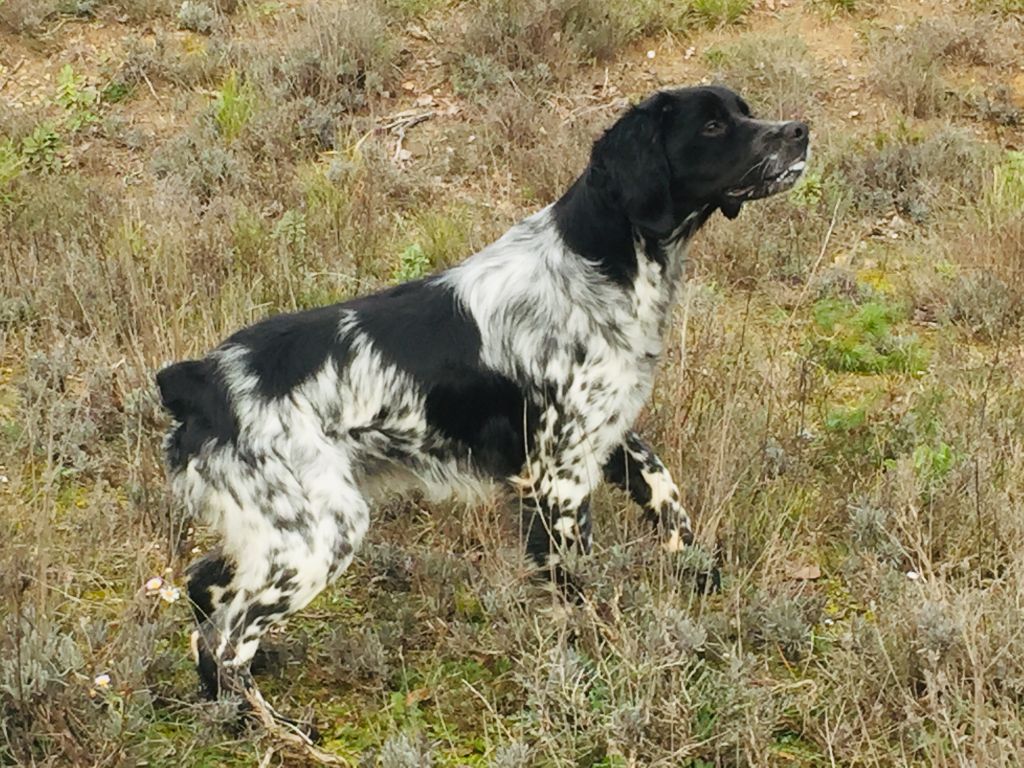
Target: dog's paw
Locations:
point(708, 582)
point(696, 565)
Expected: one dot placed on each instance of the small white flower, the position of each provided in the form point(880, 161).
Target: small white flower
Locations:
point(102, 681)
point(154, 585)
point(913, 575)
point(169, 594)
point(651, 54)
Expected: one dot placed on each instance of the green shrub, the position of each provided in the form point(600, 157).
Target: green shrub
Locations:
point(77, 98)
point(42, 149)
point(413, 263)
point(860, 339)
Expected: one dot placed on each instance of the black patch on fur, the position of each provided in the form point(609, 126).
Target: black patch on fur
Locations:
point(622, 471)
point(486, 413)
point(422, 329)
point(211, 571)
point(594, 227)
point(194, 393)
point(285, 350)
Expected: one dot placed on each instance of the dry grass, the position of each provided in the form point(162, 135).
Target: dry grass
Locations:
point(840, 399)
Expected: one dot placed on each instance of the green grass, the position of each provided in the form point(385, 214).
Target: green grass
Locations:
point(233, 106)
point(721, 12)
point(861, 339)
point(1007, 195)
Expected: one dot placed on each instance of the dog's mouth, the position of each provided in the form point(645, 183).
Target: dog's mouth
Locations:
point(771, 183)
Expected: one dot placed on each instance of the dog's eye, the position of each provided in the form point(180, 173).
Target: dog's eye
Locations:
point(713, 128)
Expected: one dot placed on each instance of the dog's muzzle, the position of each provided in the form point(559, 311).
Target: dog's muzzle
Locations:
point(780, 170)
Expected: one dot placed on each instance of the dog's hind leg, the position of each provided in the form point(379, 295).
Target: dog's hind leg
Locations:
point(287, 534)
point(209, 580)
point(636, 468)
point(209, 587)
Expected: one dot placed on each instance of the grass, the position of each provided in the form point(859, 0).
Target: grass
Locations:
point(840, 394)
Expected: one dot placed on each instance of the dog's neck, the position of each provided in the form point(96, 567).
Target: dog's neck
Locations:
point(596, 228)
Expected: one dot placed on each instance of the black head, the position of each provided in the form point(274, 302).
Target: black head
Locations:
point(682, 151)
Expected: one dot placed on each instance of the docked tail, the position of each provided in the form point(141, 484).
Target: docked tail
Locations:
point(195, 395)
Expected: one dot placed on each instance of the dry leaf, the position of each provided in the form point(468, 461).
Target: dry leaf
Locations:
point(805, 572)
point(416, 696)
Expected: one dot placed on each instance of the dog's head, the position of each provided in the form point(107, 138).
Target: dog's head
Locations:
point(683, 150)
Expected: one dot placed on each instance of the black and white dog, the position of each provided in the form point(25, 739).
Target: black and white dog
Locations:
point(522, 369)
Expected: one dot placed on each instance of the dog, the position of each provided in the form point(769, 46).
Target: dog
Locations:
point(521, 369)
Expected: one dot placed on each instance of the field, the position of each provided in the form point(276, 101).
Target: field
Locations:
point(841, 402)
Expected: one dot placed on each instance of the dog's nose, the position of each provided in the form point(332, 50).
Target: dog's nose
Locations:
point(795, 131)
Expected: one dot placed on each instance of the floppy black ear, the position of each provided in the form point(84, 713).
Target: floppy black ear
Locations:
point(630, 158)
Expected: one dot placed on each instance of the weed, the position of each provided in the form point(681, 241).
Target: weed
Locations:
point(841, 6)
point(919, 176)
point(146, 10)
point(721, 12)
point(10, 168)
point(27, 16)
point(476, 73)
point(919, 53)
point(675, 637)
point(201, 162)
point(1005, 7)
point(995, 105)
point(233, 107)
point(42, 149)
point(528, 40)
point(76, 98)
point(405, 751)
point(116, 92)
point(290, 232)
point(442, 237)
point(981, 302)
point(809, 191)
point(1007, 195)
point(413, 263)
point(407, 9)
point(937, 632)
point(513, 755)
point(932, 464)
point(870, 532)
point(335, 57)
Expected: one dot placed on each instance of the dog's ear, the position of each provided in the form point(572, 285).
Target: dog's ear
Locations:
point(630, 163)
point(730, 208)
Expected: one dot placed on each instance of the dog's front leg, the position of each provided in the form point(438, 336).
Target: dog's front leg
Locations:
point(636, 468)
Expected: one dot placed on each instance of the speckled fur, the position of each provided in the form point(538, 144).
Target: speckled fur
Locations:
point(520, 371)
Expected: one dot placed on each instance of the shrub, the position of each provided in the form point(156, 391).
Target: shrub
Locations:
point(197, 17)
point(860, 339)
